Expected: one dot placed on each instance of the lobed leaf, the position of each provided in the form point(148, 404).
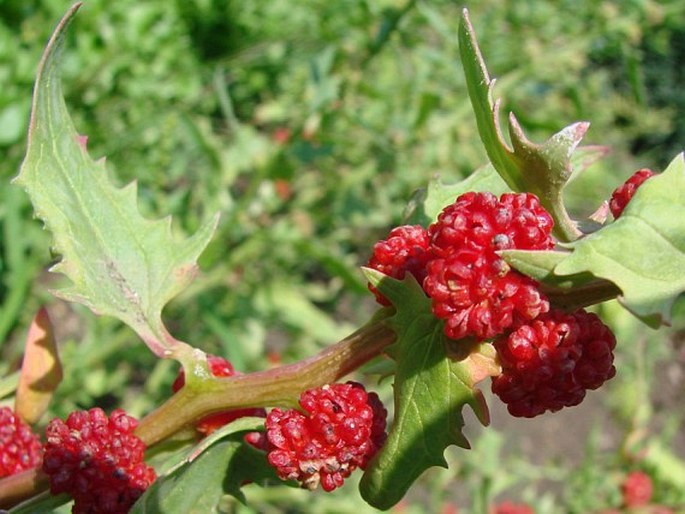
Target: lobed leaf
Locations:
point(543, 169)
point(643, 252)
point(432, 386)
point(120, 264)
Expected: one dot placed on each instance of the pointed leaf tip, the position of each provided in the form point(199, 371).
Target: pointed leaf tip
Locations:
point(120, 263)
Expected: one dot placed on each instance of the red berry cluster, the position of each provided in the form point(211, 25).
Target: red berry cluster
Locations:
point(219, 367)
point(97, 460)
point(471, 287)
point(340, 428)
point(513, 508)
point(404, 251)
point(549, 358)
point(20, 448)
point(552, 361)
point(637, 489)
point(624, 193)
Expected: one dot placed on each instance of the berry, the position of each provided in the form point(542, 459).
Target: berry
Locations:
point(97, 460)
point(219, 367)
point(482, 222)
point(624, 193)
point(637, 489)
point(471, 287)
point(513, 508)
point(341, 428)
point(549, 363)
point(405, 250)
point(20, 448)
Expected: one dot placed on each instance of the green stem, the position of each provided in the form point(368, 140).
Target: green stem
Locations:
point(277, 387)
point(565, 229)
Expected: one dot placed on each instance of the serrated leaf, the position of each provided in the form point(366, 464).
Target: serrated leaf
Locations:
point(438, 195)
point(543, 169)
point(643, 252)
point(431, 390)
point(214, 469)
point(480, 86)
point(41, 370)
point(119, 263)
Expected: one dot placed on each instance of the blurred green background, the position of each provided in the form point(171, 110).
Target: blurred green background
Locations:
point(309, 125)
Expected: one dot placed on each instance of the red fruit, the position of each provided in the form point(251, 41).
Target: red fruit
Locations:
point(405, 250)
point(637, 489)
point(20, 448)
point(219, 367)
point(97, 460)
point(624, 193)
point(549, 363)
point(342, 427)
point(481, 222)
point(513, 508)
point(481, 296)
point(471, 287)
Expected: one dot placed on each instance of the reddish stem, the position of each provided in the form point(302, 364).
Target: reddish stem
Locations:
point(19, 487)
point(277, 387)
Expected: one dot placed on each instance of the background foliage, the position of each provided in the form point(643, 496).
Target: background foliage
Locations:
point(309, 126)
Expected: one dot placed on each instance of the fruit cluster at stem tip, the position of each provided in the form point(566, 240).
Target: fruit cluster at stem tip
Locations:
point(549, 357)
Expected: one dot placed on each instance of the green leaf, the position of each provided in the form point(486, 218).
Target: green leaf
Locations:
point(669, 467)
point(643, 252)
point(540, 265)
point(244, 424)
point(567, 292)
point(119, 263)
point(215, 468)
point(543, 169)
point(45, 503)
point(480, 87)
point(432, 385)
point(425, 207)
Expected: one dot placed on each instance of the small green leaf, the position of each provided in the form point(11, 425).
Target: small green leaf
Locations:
point(566, 292)
point(431, 388)
point(216, 467)
point(45, 503)
point(438, 195)
point(196, 488)
point(119, 263)
point(540, 265)
point(245, 424)
point(643, 252)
